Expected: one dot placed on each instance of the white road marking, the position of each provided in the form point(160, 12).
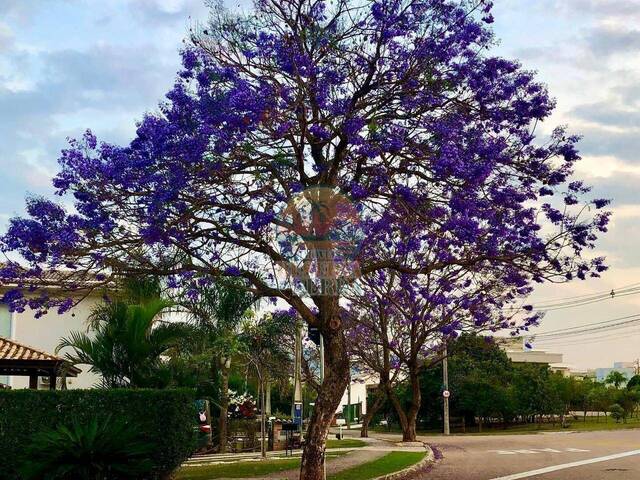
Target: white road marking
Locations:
point(564, 466)
point(529, 451)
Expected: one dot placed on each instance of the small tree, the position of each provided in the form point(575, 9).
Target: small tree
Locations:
point(127, 338)
point(600, 398)
point(266, 354)
point(218, 308)
point(628, 400)
point(634, 382)
point(615, 378)
point(618, 413)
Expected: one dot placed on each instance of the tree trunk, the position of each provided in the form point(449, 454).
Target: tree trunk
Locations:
point(224, 404)
point(414, 408)
point(408, 419)
point(397, 406)
point(371, 411)
point(331, 391)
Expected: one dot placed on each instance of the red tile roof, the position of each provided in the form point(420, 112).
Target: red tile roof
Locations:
point(11, 350)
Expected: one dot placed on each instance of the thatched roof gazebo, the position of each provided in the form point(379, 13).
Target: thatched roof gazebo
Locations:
point(23, 360)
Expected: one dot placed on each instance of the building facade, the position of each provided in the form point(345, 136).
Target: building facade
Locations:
point(628, 369)
point(44, 334)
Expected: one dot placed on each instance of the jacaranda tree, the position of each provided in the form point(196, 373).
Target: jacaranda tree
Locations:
point(400, 324)
point(306, 143)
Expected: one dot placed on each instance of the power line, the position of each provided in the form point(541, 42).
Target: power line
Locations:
point(588, 338)
point(587, 301)
point(560, 330)
point(579, 302)
point(589, 294)
point(588, 341)
point(578, 332)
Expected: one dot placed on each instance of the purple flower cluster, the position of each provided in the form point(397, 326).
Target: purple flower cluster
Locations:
point(402, 109)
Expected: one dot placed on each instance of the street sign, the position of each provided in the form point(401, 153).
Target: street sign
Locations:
point(314, 335)
point(446, 394)
point(297, 414)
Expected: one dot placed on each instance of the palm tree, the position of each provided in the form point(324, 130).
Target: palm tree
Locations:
point(268, 352)
point(615, 378)
point(127, 341)
point(217, 309)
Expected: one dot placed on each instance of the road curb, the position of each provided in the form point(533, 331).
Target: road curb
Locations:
point(428, 460)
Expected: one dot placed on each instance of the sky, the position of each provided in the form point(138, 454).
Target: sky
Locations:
point(68, 65)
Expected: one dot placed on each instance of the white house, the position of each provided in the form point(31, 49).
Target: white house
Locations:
point(43, 334)
point(356, 396)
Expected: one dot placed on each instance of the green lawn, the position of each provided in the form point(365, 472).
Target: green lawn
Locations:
point(391, 462)
point(253, 468)
point(345, 443)
point(591, 424)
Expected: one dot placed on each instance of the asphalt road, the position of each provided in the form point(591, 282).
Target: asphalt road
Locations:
point(606, 455)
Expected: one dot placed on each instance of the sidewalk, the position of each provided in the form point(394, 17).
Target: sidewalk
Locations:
point(375, 448)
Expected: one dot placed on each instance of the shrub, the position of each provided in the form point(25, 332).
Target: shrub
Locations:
point(617, 412)
point(164, 419)
point(98, 450)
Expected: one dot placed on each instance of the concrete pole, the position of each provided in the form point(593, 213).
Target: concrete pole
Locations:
point(297, 373)
point(324, 454)
point(267, 407)
point(321, 358)
point(445, 378)
point(349, 401)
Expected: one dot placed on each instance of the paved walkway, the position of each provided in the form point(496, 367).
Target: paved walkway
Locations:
point(356, 457)
point(376, 448)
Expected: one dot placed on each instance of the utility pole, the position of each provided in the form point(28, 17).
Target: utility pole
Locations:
point(324, 454)
point(445, 393)
point(349, 400)
point(296, 408)
point(321, 358)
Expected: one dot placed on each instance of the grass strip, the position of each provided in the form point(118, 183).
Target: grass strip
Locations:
point(390, 463)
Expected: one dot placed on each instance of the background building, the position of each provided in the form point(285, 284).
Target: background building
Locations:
point(628, 369)
point(518, 352)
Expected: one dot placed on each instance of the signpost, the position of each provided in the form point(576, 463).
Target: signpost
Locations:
point(446, 393)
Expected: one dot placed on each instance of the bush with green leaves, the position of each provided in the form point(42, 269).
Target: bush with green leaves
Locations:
point(617, 412)
point(164, 419)
point(106, 449)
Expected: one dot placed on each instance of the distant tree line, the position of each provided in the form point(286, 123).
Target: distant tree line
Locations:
point(489, 390)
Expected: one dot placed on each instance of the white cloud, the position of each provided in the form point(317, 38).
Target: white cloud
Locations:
point(604, 166)
point(6, 37)
point(626, 211)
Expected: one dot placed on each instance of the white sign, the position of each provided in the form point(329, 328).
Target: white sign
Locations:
point(446, 394)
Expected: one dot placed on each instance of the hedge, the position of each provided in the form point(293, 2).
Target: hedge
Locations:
point(165, 418)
